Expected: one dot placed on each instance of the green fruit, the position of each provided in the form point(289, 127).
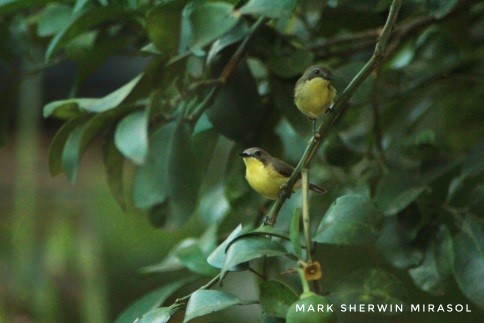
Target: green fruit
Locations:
point(311, 308)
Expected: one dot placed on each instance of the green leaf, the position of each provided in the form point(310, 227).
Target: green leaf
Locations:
point(203, 302)
point(131, 136)
point(99, 124)
point(368, 286)
point(113, 165)
point(71, 153)
point(66, 109)
point(12, 6)
point(440, 8)
point(292, 65)
point(396, 241)
point(150, 182)
point(209, 21)
point(351, 219)
point(150, 301)
point(234, 35)
point(283, 96)
point(237, 114)
point(171, 262)
point(217, 257)
point(163, 25)
point(269, 8)
point(469, 260)
point(396, 191)
point(57, 145)
point(275, 298)
point(159, 315)
point(432, 274)
point(473, 164)
point(251, 248)
point(193, 258)
point(53, 18)
point(81, 22)
point(183, 177)
point(295, 233)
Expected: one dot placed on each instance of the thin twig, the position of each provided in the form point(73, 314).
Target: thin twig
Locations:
point(305, 214)
point(338, 109)
point(212, 282)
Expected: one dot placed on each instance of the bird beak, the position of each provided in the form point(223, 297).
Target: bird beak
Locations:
point(329, 77)
point(244, 155)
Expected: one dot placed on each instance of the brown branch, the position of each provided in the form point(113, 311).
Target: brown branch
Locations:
point(225, 74)
point(349, 44)
point(338, 109)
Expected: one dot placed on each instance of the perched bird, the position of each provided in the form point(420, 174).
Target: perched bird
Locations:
point(267, 174)
point(313, 93)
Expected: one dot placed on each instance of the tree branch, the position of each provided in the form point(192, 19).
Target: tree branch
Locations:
point(338, 109)
point(349, 44)
point(225, 74)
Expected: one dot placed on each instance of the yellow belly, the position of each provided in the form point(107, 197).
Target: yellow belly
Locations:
point(263, 179)
point(314, 97)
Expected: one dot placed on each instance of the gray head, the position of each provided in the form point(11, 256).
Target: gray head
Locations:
point(255, 152)
point(317, 71)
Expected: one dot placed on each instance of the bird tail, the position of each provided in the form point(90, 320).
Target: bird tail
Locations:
point(317, 189)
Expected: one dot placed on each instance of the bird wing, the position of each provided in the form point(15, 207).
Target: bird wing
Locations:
point(283, 168)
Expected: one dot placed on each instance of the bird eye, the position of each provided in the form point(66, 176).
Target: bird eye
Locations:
point(316, 71)
point(257, 153)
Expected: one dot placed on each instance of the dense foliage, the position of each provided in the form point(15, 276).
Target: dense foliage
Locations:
point(402, 219)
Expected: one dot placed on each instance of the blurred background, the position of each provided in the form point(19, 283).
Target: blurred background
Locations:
point(69, 253)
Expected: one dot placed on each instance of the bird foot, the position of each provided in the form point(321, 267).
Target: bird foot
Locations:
point(283, 192)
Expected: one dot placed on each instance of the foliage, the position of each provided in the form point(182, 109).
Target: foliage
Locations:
point(403, 167)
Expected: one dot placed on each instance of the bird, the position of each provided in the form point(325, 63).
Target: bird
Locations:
point(314, 94)
point(267, 175)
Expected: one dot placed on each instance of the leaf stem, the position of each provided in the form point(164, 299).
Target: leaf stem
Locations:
point(338, 109)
